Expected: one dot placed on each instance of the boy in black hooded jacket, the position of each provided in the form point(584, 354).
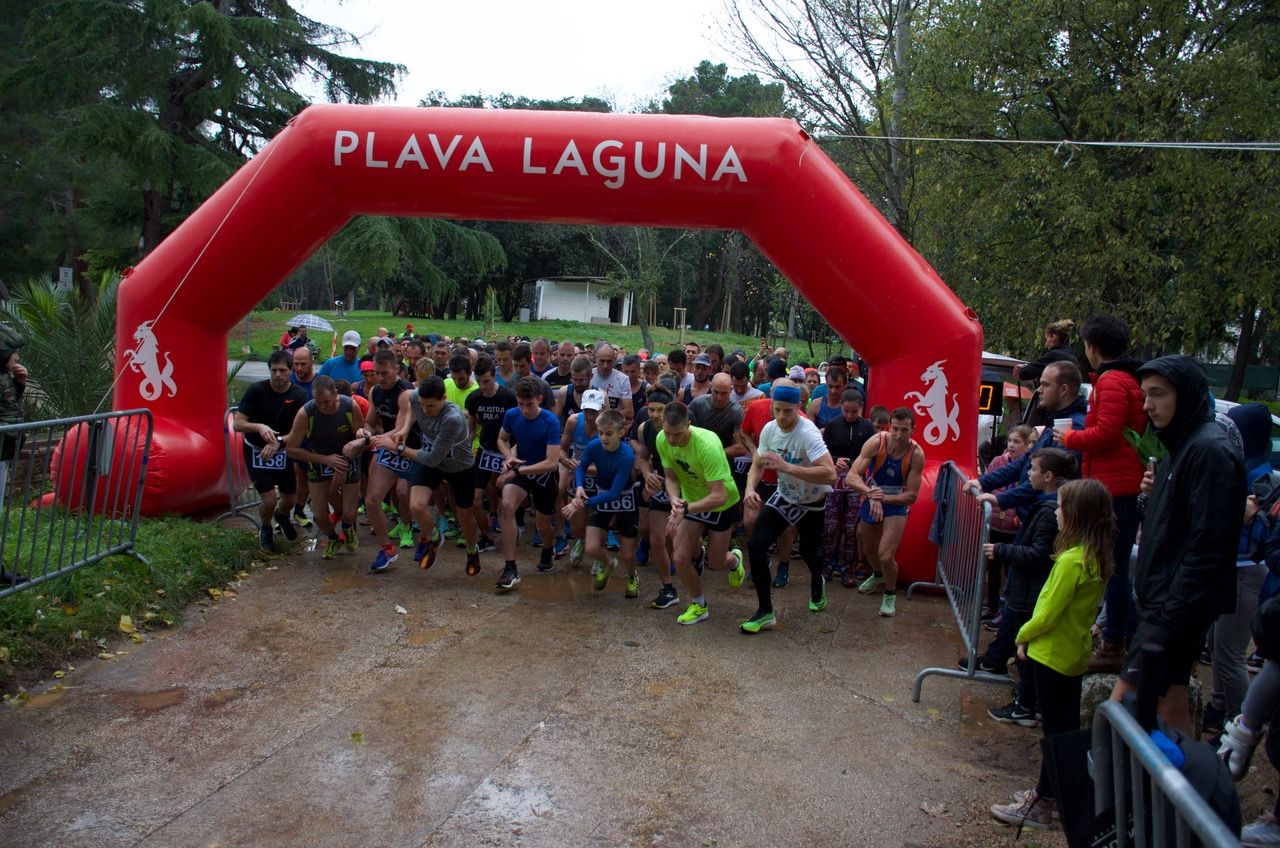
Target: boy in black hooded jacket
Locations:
point(1186, 570)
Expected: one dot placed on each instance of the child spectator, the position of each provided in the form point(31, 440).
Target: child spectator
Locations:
point(1056, 642)
point(1029, 560)
point(1004, 522)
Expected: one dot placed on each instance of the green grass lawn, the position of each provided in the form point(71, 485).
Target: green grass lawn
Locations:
point(75, 617)
point(265, 328)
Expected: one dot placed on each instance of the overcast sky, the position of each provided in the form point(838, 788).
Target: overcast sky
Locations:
point(626, 53)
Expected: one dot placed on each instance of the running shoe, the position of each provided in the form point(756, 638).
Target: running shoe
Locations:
point(693, 614)
point(875, 581)
point(537, 539)
point(386, 555)
point(736, 574)
point(611, 542)
point(1014, 713)
point(351, 541)
point(1027, 810)
point(494, 525)
point(575, 554)
point(331, 548)
point(992, 624)
point(601, 576)
point(473, 563)
point(642, 552)
point(300, 516)
point(424, 553)
point(850, 579)
point(509, 579)
point(267, 539)
point(442, 524)
point(486, 545)
point(983, 664)
point(633, 586)
point(405, 535)
point(783, 575)
point(460, 542)
point(888, 604)
point(360, 510)
point(667, 597)
point(559, 547)
point(453, 531)
point(287, 528)
point(820, 604)
point(763, 621)
point(544, 562)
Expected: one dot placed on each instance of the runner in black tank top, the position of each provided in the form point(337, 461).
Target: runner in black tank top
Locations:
point(389, 473)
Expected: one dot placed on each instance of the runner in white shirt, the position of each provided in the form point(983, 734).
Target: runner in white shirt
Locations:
point(611, 381)
point(792, 446)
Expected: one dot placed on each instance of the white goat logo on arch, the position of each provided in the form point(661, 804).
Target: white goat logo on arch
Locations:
point(145, 358)
point(934, 404)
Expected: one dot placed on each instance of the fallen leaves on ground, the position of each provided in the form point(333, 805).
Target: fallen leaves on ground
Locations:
point(126, 624)
point(401, 610)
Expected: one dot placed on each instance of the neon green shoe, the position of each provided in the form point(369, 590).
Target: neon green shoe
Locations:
point(761, 622)
point(887, 605)
point(693, 614)
point(819, 605)
point(331, 548)
point(633, 586)
point(875, 581)
point(601, 574)
point(406, 535)
point(737, 574)
point(352, 543)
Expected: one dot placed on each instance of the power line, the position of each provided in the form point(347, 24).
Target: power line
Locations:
point(1232, 146)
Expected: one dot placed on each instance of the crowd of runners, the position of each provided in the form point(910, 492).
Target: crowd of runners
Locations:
point(687, 461)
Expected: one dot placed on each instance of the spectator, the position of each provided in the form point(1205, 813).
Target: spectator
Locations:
point(1115, 405)
point(1004, 522)
point(1231, 631)
point(1056, 337)
point(13, 383)
point(1185, 576)
point(287, 337)
point(844, 436)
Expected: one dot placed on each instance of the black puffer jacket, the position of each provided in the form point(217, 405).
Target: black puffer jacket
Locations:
point(1186, 571)
point(1029, 558)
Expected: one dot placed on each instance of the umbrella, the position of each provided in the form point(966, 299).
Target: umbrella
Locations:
point(311, 322)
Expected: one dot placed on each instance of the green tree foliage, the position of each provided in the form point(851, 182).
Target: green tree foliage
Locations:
point(123, 115)
point(70, 346)
point(711, 91)
point(1180, 243)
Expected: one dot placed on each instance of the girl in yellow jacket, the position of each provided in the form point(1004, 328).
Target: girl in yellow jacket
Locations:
point(1056, 640)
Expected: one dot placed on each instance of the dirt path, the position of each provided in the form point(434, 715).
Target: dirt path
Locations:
point(308, 711)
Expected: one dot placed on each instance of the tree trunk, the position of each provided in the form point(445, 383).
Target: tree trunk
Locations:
point(1245, 349)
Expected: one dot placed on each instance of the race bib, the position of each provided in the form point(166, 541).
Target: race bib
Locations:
point(326, 471)
point(391, 460)
point(275, 463)
point(792, 512)
point(541, 480)
point(742, 464)
point(661, 497)
point(492, 461)
point(626, 502)
point(704, 517)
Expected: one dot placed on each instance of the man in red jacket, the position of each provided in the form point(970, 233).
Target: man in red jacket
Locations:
point(1114, 404)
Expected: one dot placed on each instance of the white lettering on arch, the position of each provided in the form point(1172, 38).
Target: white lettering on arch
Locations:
point(698, 166)
point(730, 164)
point(344, 142)
point(369, 161)
point(616, 171)
point(658, 169)
point(570, 158)
point(476, 156)
point(411, 152)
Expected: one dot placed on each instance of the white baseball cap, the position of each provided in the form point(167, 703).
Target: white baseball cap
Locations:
point(351, 339)
point(593, 399)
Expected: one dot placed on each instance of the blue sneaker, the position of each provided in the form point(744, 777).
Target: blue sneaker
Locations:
point(642, 552)
point(611, 543)
point(560, 546)
point(442, 525)
point(386, 556)
point(424, 553)
point(537, 539)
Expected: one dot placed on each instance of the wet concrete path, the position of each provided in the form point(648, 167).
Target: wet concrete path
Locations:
point(307, 711)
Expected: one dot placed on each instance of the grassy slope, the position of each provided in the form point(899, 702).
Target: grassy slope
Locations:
point(265, 329)
point(48, 625)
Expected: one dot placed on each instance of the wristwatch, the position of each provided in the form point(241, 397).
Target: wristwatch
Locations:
point(400, 450)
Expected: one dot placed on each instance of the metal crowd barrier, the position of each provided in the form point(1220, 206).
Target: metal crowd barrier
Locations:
point(56, 520)
point(961, 527)
point(1125, 758)
point(241, 495)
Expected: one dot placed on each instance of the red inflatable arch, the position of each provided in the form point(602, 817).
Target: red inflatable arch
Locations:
point(764, 177)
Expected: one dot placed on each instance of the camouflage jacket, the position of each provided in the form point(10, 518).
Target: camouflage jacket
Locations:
point(10, 399)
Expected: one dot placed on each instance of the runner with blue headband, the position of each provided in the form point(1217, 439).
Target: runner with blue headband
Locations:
point(792, 446)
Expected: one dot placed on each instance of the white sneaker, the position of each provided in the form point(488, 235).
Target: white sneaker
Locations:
point(1264, 833)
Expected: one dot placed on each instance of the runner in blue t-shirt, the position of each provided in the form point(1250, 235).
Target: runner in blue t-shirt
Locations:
point(610, 497)
point(530, 441)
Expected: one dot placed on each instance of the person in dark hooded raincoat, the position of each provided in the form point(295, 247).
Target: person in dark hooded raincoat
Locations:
point(1186, 569)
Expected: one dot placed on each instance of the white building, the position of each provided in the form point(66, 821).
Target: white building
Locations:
point(575, 299)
